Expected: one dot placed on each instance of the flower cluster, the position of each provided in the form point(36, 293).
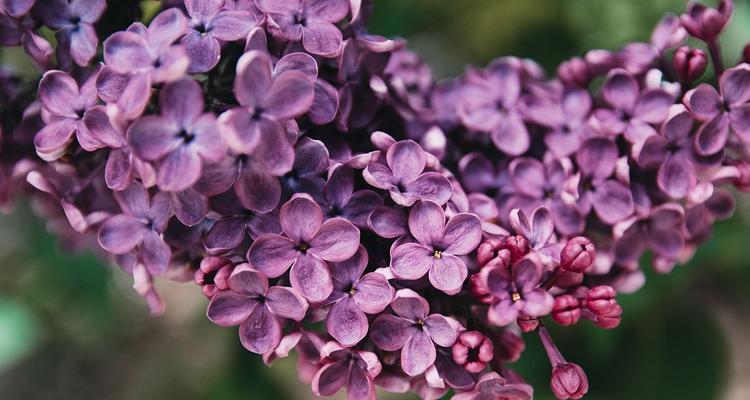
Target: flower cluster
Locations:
point(243, 144)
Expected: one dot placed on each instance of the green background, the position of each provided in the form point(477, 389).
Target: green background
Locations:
point(71, 328)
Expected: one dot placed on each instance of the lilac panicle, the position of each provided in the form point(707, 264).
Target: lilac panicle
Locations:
point(228, 141)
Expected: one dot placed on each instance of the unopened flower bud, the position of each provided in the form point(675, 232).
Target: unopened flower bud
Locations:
point(610, 319)
point(689, 63)
point(567, 310)
point(527, 324)
point(479, 290)
point(569, 381)
point(488, 250)
point(575, 71)
point(577, 255)
point(705, 23)
point(600, 299)
point(212, 275)
point(517, 245)
point(473, 351)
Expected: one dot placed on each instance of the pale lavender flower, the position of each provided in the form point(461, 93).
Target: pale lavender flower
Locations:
point(210, 25)
point(258, 309)
point(179, 140)
point(413, 331)
point(439, 245)
point(74, 21)
point(306, 245)
point(355, 295)
point(401, 172)
point(139, 227)
point(720, 110)
point(236, 224)
point(309, 21)
point(567, 119)
point(355, 369)
point(71, 110)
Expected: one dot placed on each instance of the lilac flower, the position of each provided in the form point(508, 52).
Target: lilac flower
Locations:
point(210, 24)
point(213, 275)
point(310, 21)
point(266, 102)
point(355, 369)
point(438, 247)
point(705, 23)
point(633, 110)
point(493, 386)
point(137, 58)
point(341, 199)
point(236, 222)
point(672, 153)
point(473, 351)
point(495, 110)
point(353, 296)
point(413, 331)
point(539, 184)
point(258, 309)
point(516, 293)
point(180, 139)
point(401, 172)
point(611, 200)
point(729, 107)
point(357, 101)
point(305, 246)
point(668, 33)
point(139, 227)
point(660, 231)
point(567, 119)
point(74, 21)
point(70, 110)
point(16, 8)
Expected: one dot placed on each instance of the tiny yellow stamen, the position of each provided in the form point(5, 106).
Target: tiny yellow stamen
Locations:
point(352, 291)
point(438, 254)
point(515, 297)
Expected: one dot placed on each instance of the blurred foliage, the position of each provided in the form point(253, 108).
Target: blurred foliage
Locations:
point(77, 324)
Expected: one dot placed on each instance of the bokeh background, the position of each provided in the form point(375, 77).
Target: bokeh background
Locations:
point(72, 328)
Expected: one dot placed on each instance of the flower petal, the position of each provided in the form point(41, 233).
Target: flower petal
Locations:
point(613, 202)
point(677, 176)
point(448, 273)
point(179, 169)
point(712, 136)
point(407, 160)
point(411, 261)
point(120, 234)
point(152, 137)
point(390, 333)
point(462, 234)
point(309, 275)
point(253, 79)
point(346, 322)
point(272, 254)
point(286, 303)
point(621, 90)
point(442, 330)
point(301, 218)
point(228, 308)
point(337, 240)
point(321, 38)
point(417, 354)
point(291, 95)
point(373, 293)
point(261, 332)
point(58, 93)
point(232, 25)
point(257, 189)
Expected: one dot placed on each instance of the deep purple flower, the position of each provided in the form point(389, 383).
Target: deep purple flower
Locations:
point(137, 58)
point(516, 293)
point(353, 296)
point(256, 308)
point(438, 247)
point(567, 119)
point(210, 25)
point(495, 387)
point(266, 102)
point(355, 369)
point(139, 227)
point(495, 110)
point(74, 21)
point(357, 100)
point(413, 331)
point(236, 224)
point(179, 140)
point(705, 23)
point(672, 154)
point(311, 21)
point(611, 199)
point(341, 199)
point(401, 172)
point(70, 109)
point(539, 184)
point(305, 246)
point(729, 107)
point(633, 110)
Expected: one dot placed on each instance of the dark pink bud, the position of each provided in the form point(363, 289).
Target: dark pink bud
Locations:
point(517, 245)
point(567, 310)
point(577, 255)
point(689, 63)
point(527, 324)
point(508, 346)
point(610, 319)
point(212, 275)
point(479, 290)
point(743, 182)
point(473, 351)
point(600, 299)
point(569, 381)
point(488, 250)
